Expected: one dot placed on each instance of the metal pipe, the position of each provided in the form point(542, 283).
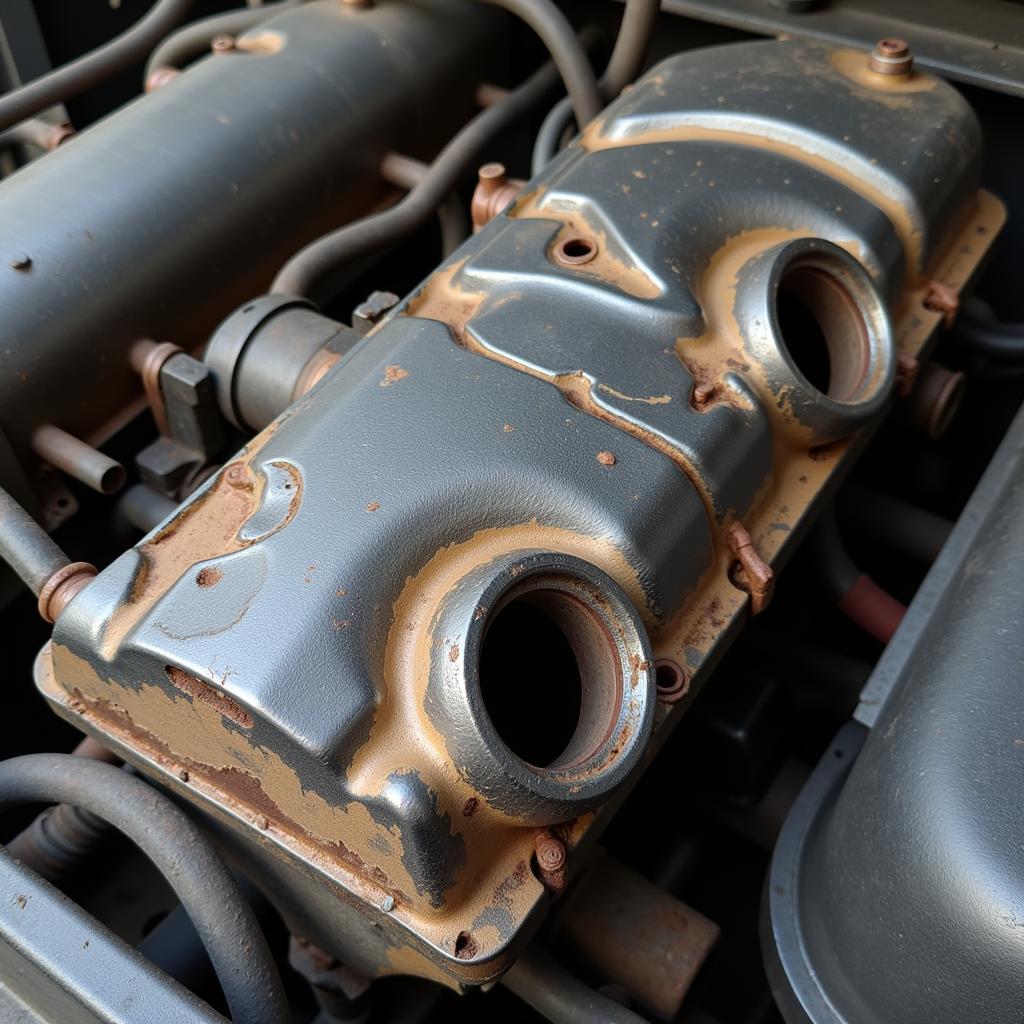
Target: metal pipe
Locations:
point(73, 79)
point(145, 508)
point(78, 459)
point(309, 267)
point(26, 547)
point(631, 44)
point(560, 996)
point(202, 190)
point(566, 51)
point(225, 922)
point(193, 40)
point(44, 135)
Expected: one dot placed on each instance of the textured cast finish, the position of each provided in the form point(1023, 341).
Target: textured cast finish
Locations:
point(587, 409)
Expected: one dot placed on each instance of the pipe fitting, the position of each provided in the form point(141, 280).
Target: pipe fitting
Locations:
point(588, 657)
point(815, 321)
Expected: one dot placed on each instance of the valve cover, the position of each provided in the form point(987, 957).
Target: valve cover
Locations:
point(457, 592)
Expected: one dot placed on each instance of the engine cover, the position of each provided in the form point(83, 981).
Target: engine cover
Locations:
point(600, 422)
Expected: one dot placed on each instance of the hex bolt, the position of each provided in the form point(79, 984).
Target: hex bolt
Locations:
point(891, 57)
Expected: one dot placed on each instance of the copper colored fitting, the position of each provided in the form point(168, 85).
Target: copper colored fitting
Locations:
point(494, 191)
point(161, 76)
point(935, 399)
point(891, 57)
point(147, 359)
point(223, 44)
point(551, 861)
point(61, 587)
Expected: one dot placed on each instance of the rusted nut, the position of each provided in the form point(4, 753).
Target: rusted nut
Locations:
point(161, 76)
point(493, 192)
point(906, 374)
point(670, 681)
point(941, 298)
point(935, 399)
point(891, 57)
point(552, 861)
point(223, 44)
point(751, 573)
point(574, 250)
point(61, 587)
point(236, 475)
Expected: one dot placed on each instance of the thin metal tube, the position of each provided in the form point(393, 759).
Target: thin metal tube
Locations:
point(193, 40)
point(78, 459)
point(317, 261)
point(223, 919)
point(72, 79)
point(26, 547)
point(566, 51)
point(560, 996)
point(631, 43)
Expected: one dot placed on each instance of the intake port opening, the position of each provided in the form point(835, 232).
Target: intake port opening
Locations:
point(549, 678)
point(822, 328)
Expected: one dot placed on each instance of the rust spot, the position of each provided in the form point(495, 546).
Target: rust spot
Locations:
point(200, 690)
point(453, 652)
point(508, 428)
point(606, 458)
point(373, 506)
point(551, 859)
point(392, 375)
point(465, 946)
point(469, 807)
point(183, 775)
point(209, 577)
point(941, 298)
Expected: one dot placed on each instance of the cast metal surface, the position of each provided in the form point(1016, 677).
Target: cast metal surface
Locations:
point(60, 964)
point(978, 43)
point(896, 887)
point(180, 205)
point(301, 642)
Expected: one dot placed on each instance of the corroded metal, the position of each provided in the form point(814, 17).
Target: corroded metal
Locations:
point(594, 409)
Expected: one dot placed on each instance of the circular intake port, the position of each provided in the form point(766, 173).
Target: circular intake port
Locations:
point(542, 686)
point(815, 321)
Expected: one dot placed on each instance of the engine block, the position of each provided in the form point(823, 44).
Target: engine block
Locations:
point(604, 420)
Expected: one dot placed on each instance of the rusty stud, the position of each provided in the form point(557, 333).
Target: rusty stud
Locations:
point(941, 298)
point(891, 57)
point(494, 191)
point(751, 572)
point(237, 476)
point(61, 587)
point(552, 861)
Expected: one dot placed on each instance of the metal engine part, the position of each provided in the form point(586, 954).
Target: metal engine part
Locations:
point(597, 414)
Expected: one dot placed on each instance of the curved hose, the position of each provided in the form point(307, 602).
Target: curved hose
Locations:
point(313, 264)
point(194, 39)
point(26, 547)
point(624, 65)
point(74, 78)
point(989, 337)
point(560, 996)
point(566, 51)
point(224, 921)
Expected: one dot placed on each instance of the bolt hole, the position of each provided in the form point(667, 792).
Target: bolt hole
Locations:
point(575, 250)
point(822, 329)
point(670, 680)
point(62, 502)
point(465, 946)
